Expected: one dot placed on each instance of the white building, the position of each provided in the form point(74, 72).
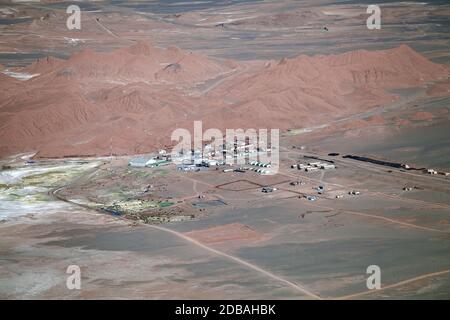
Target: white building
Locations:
point(141, 161)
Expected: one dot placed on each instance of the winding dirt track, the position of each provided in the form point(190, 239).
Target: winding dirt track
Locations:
point(256, 268)
point(394, 285)
point(182, 236)
point(240, 261)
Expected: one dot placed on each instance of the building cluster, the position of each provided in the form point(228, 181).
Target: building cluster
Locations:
point(268, 189)
point(209, 156)
point(314, 166)
point(151, 161)
point(243, 169)
point(432, 171)
point(260, 167)
point(238, 153)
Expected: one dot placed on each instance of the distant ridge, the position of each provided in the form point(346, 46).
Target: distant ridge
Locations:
point(130, 99)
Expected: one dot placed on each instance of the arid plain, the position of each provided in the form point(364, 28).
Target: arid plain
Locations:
point(95, 98)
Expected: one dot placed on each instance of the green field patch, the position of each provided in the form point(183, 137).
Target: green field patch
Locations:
point(132, 206)
point(45, 179)
point(164, 204)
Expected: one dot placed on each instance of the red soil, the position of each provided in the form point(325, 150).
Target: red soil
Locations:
point(439, 89)
point(228, 232)
point(402, 122)
point(422, 116)
point(129, 100)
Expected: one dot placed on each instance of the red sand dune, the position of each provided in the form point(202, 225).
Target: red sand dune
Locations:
point(44, 65)
point(140, 62)
point(305, 89)
point(8, 87)
point(129, 100)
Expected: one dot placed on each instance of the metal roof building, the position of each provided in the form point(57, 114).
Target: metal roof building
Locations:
point(140, 161)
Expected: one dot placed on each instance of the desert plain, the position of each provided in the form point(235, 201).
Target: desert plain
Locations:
point(76, 106)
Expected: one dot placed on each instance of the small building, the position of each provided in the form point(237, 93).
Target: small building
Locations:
point(140, 162)
point(156, 163)
point(165, 157)
point(311, 198)
point(187, 161)
point(326, 166)
point(431, 171)
point(187, 167)
point(320, 189)
point(212, 163)
point(198, 161)
point(268, 189)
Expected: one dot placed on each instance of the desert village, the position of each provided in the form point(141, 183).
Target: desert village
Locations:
point(360, 175)
point(243, 157)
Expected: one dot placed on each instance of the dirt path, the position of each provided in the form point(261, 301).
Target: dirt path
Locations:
point(110, 32)
point(377, 171)
point(394, 285)
point(373, 216)
point(182, 236)
point(240, 261)
point(298, 287)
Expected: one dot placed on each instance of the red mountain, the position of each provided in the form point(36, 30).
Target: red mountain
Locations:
point(129, 100)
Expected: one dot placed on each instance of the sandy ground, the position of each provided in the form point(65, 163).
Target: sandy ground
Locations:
point(251, 30)
point(254, 246)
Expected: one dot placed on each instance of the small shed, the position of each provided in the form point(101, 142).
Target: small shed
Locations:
point(139, 162)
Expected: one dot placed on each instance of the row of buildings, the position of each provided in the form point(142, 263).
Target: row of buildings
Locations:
point(314, 166)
